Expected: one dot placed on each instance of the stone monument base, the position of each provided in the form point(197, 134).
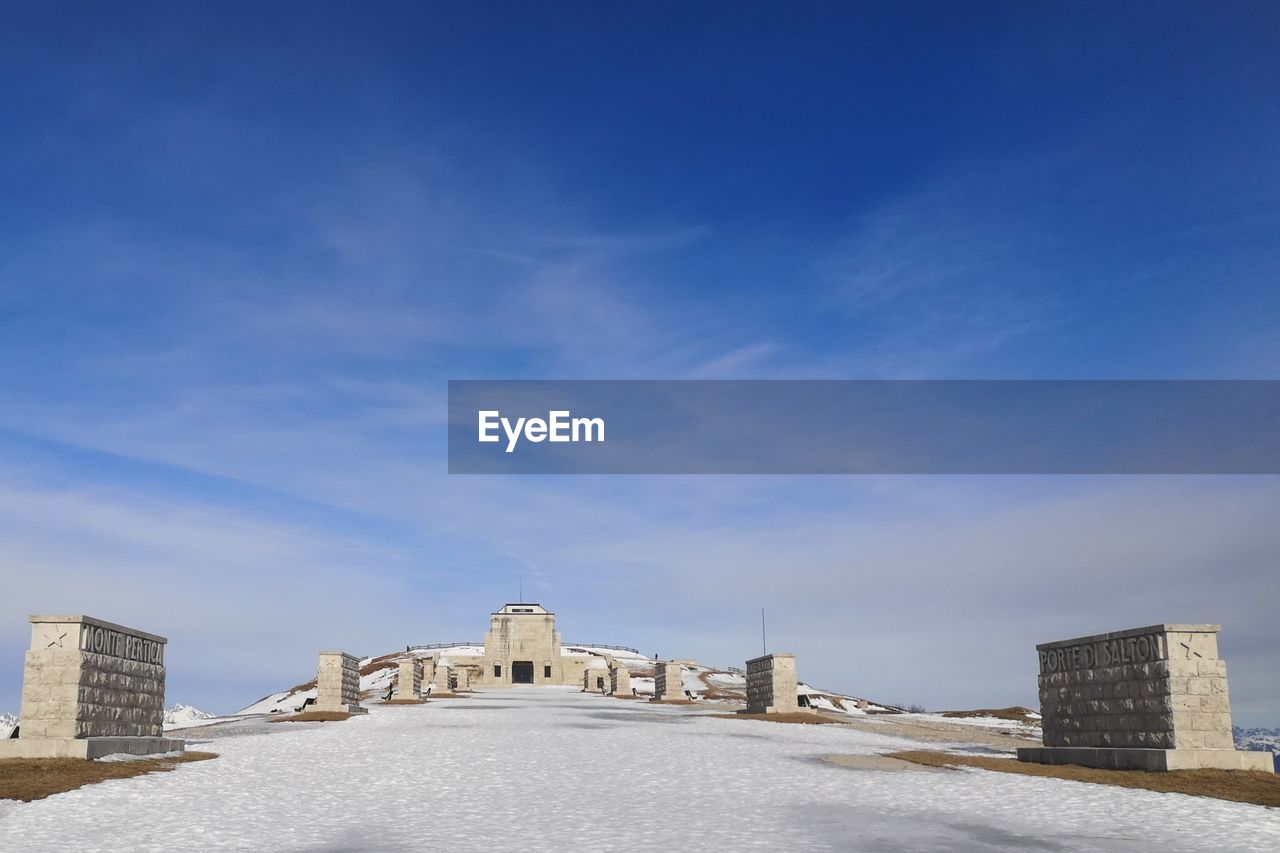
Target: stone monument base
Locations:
point(87, 747)
point(774, 709)
point(1155, 760)
point(336, 709)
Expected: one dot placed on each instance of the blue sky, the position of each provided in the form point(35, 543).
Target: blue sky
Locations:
point(243, 249)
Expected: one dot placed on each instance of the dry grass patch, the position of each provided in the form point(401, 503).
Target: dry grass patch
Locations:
point(797, 717)
point(314, 717)
point(1240, 786)
point(379, 664)
point(1016, 713)
point(28, 779)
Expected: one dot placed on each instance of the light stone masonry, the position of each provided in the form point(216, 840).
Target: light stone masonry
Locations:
point(441, 672)
point(771, 685)
point(91, 688)
point(1151, 698)
point(668, 682)
point(408, 680)
point(338, 684)
point(619, 680)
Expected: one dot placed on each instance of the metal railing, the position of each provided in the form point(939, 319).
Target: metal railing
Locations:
point(440, 646)
point(601, 646)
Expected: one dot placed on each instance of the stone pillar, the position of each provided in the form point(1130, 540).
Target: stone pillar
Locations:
point(771, 685)
point(90, 688)
point(408, 681)
point(338, 684)
point(619, 680)
point(1151, 698)
point(668, 684)
point(442, 677)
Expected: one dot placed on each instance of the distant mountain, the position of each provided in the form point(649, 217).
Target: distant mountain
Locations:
point(7, 722)
point(181, 715)
point(1262, 740)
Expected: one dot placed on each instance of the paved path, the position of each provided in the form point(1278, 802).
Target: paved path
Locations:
point(548, 769)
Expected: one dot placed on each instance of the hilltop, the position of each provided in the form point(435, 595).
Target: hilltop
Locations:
point(702, 683)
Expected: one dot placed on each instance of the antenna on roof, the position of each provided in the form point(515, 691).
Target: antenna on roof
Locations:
point(521, 598)
point(764, 644)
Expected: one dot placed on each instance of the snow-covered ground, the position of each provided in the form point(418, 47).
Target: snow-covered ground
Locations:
point(555, 769)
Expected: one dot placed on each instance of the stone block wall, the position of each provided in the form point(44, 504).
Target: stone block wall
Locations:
point(668, 682)
point(771, 684)
point(409, 680)
point(441, 672)
point(619, 680)
point(595, 678)
point(1158, 687)
point(85, 677)
point(337, 680)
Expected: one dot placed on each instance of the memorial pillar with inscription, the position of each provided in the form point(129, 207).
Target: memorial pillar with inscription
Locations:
point(1151, 698)
point(338, 684)
point(668, 682)
point(442, 678)
point(408, 681)
point(90, 688)
point(772, 685)
point(619, 680)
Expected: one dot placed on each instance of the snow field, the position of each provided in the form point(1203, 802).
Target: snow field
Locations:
point(554, 769)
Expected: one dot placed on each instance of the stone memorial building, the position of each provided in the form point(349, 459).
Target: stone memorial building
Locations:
point(772, 685)
point(1152, 698)
point(523, 647)
point(90, 688)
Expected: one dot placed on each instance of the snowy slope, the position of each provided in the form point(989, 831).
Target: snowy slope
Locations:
point(7, 722)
